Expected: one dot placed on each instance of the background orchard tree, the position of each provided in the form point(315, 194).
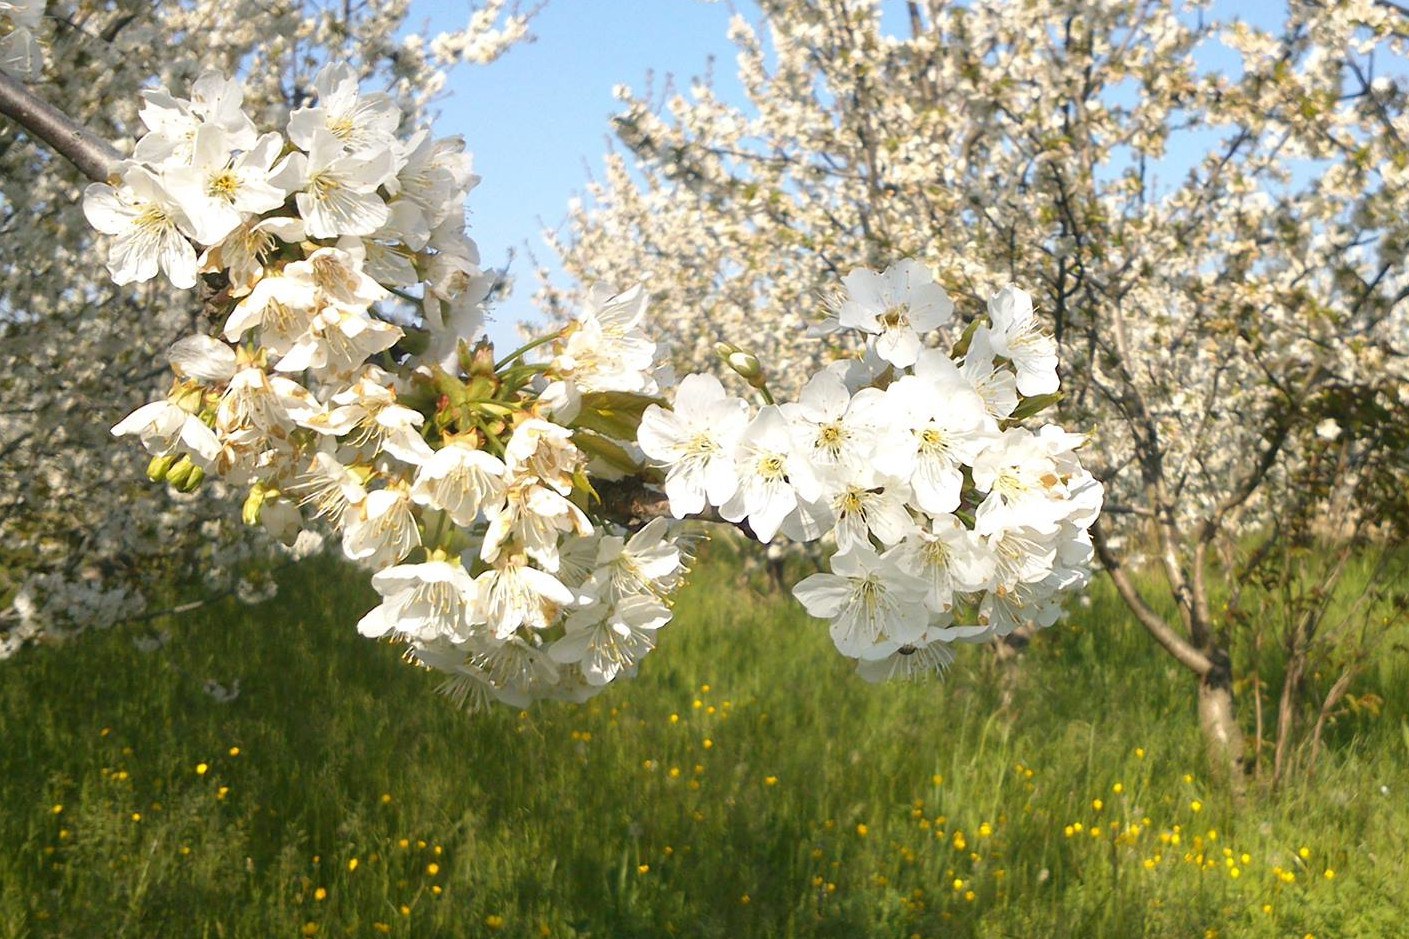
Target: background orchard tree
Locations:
point(86, 541)
point(1234, 324)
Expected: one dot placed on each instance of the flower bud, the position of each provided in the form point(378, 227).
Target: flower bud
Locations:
point(482, 359)
point(179, 472)
point(747, 365)
point(193, 480)
point(254, 502)
point(481, 387)
point(159, 466)
point(464, 354)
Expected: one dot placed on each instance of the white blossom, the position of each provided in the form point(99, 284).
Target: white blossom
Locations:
point(1019, 337)
point(949, 558)
point(218, 190)
point(427, 601)
point(868, 598)
point(150, 229)
point(773, 474)
point(462, 480)
point(516, 596)
point(164, 428)
point(543, 450)
point(604, 643)
point(338, 191)
point(837, 428)
point(898, 307)
point(380, 529)
point(532, 518)
point(695, 439)
point(357, 120)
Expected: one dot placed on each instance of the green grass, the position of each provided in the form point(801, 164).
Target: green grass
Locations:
point(746, 784)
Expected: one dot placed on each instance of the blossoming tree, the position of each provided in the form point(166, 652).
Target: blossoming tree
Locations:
point(520, 514)
point(1211, 217)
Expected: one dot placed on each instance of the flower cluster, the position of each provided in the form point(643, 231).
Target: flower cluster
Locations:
point(341, 386)
point(342, 389)
point(951, 522)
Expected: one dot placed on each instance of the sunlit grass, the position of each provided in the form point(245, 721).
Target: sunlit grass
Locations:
point(747, 784)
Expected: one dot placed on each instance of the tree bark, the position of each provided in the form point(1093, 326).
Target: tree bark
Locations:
point(93, 156)
point(1210, 664)
point(1218, 719)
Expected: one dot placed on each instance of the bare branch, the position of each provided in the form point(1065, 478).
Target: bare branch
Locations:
point(1173, 643)
point(93, 156)
point(630, 503)
point(1248, 484)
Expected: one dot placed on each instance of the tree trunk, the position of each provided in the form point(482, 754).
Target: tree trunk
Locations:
point(1218, 719)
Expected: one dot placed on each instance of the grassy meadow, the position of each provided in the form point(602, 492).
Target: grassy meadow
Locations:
point(746, 784)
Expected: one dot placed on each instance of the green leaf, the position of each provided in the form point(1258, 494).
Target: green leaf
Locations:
point(614, 414)
point(1034, 405)
point(595, 445)
point(961, 348)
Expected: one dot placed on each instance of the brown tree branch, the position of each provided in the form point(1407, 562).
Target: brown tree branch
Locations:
point(1173, 643)
point(630, 503)
point(93, 156)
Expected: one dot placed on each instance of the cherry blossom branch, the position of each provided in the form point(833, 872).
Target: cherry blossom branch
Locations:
point(629, 503)
point(93, 156)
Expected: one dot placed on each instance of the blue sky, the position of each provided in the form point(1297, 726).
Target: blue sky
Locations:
point(538, 120)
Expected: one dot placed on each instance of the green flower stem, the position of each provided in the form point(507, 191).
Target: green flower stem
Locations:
point(519, 352)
